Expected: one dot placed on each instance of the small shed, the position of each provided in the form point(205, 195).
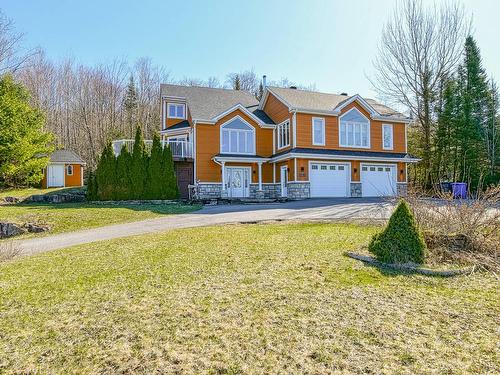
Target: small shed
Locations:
point(65, 169)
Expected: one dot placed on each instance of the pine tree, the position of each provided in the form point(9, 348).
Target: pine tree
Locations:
point(123, 183)
point(22, 137)
point(169, 186)
point(106, 174)
point(138, 166)
point(237, 82)
point(130, 104)
point(260, 93)
point(473, 93)
point(155, 166)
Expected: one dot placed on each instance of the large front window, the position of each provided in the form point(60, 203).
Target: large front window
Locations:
point(354, 130)
point(284, 134)
point(237, 137)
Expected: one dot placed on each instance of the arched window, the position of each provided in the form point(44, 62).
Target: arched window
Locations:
point(237, 137)
point(354, 130)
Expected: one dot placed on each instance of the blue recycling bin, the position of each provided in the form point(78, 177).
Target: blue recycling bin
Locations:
point(459, 190)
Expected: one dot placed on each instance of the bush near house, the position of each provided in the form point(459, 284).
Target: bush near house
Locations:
point(401, 241)
point(134, 176)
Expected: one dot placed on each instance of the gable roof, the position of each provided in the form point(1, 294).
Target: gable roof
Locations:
point(320, 101)
point(65, 156)
point(206, 103)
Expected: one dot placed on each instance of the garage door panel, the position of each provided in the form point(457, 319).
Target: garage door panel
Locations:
point(328, 180)
point(378, 180)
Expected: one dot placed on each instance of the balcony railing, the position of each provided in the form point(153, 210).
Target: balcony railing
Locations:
point(179, 148)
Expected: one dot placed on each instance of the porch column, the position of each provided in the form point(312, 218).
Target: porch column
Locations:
point(223, 165)
point(260, 175)
point(223, 190)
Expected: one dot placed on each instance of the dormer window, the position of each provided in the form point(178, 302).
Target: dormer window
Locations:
point(176, 110)
point(354, 130)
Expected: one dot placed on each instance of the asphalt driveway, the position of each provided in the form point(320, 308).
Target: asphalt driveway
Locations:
point(311, 209)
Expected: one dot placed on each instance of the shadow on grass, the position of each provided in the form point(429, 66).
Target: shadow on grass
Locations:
point(405, 269)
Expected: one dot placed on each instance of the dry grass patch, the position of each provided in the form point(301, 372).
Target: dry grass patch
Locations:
point(241, 299)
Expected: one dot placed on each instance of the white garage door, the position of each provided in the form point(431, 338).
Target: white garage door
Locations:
point(378, 180)
point(55, 175)
point(329, 180)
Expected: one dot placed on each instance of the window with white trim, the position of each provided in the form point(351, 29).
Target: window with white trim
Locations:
point(69, 170)
point(318, 131)
point(284, 134)
point(387, 137)
point(354, 130)
point(237, 137)
point(176, 110)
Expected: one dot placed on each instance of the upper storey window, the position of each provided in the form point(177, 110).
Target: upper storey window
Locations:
point(354, 130)
point(318, 131)
point(387, 137)
point(284, 134)
point(237, 137)
point(176, 110)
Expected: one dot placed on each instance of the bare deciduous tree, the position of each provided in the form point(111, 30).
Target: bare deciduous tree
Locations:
point(12, 55)
point(420, 46)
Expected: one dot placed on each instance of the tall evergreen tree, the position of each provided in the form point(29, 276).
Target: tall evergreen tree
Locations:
point(138, 166)
point(155, 166)
point(22, 137)
point(130, 104)
point(169, 186)
point(106, 174)
point(91, 187)
point(123, 180)
point(473, 104)
point(237, 82)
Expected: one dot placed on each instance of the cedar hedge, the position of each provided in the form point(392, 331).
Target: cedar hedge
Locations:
point(134, 176)
point(401, 241)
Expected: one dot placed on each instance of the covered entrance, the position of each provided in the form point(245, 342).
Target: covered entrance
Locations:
point(238, 182)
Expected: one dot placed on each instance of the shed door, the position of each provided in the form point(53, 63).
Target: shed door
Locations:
point(55, 175)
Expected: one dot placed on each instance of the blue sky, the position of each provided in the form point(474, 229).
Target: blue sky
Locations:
point(327, 43)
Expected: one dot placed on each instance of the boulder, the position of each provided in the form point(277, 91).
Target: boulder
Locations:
point(10, 230)
point(36, 228)
point(11, 199)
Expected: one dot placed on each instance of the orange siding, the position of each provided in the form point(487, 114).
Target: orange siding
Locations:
point(401, 176)
point(172, 121)
point(275, 109)
point(69, 181)
point(304, 132)
point(208, 145)
point(76, 178)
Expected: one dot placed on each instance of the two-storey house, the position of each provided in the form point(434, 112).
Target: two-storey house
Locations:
point(293, 143)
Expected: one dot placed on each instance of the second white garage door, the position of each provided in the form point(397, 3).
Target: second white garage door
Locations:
point(329, 180)
point(378, 180)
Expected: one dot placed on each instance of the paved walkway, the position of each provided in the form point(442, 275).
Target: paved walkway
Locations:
point(312, 209)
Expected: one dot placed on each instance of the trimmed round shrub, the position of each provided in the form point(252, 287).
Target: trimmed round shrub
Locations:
point(401, 241)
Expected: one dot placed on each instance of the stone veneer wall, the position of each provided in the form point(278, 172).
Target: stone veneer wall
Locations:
point(402, 189)
point(272, 191)
point(356, 191)
point(209, 191)
point(298, 190)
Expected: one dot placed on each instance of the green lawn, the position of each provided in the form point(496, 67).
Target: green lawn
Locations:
point(240, 299)
point(66, 217)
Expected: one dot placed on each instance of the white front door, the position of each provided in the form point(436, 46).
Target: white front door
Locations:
point(283, 180)
point(378, 180)
point(329, 179)
point(238, 181)
point(55, 175)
